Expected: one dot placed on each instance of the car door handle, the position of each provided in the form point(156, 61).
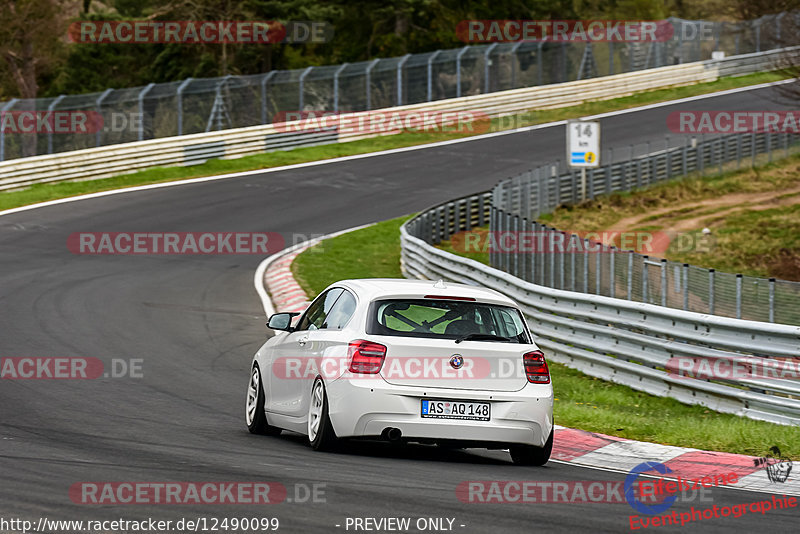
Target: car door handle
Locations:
point(302, 341)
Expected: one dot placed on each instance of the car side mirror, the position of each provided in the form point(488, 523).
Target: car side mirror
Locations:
point(282, 321)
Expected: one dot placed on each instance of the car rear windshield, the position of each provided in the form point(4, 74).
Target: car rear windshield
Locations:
point(446, 319)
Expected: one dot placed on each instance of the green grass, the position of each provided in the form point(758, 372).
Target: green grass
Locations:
point(581, 401)
point(44, 192)
point(372, 252)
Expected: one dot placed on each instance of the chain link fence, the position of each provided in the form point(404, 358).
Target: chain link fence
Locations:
point(561, 260)
point(203, 105)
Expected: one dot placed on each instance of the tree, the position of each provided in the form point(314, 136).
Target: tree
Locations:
point(31, 41)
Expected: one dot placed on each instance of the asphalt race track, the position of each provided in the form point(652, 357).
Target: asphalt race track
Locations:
point(195, 322)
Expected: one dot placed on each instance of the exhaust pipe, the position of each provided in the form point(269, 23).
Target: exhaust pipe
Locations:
point(391, 434)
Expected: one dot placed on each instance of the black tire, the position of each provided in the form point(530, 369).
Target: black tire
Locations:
point(325, 438)
point(259, 423)
point(530, 455)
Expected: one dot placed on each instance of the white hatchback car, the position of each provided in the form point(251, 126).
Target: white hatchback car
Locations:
point(410, 361)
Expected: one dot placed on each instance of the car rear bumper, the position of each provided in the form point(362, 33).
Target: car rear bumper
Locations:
point(366, 407)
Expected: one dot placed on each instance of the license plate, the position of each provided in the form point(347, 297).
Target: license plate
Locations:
point(450, 409)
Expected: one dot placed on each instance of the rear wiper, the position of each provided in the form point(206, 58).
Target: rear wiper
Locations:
point(476, 336)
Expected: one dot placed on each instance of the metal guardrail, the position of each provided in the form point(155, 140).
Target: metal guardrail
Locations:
point(103, 162)
point(194, 106)
point(617, 340)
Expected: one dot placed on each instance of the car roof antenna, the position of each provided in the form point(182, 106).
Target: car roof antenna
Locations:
point(440, 284)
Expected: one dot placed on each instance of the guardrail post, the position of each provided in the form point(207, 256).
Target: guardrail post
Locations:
point(753, 148)
point(667, 157)
point(435, 226)
point(663, 282)
point(684, 160)
point(400, 65)
point(301, 86)
point(50, 109)
point(98, 135)
point(769, 145)
point(513, 53)
point(711, 291)
point(598, 273)
point(527, 194)
point(140, 99)
point(686, 287)
point(539, 69)
point(517, 247)
point(458, 70)
point(448, 220)
point(179, 103)
point(267, 77)
point(561, 253)
point(612, 272)
point(701, 153)
point(785, 144)
point(492, 228)
point(644, 279)
point(738, 151)
point(536, 251)
point(630, 274)
point(539, 194)
point(772, 300)
point(551, 234)
point(430, 73)
point(368, 82)
point(556, 184)
point(586, 266)
point(507, 253)
point(573, 276)
point(758, 35)
point(738, 296)
point(610, 58)
point(486, 61)
point(336, 86)
point(4, 109)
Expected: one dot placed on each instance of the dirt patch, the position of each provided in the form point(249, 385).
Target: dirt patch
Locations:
point(786, 265)
point(674, 217)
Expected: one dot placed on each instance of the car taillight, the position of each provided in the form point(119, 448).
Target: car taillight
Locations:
point(536, 367)
point(365, 356)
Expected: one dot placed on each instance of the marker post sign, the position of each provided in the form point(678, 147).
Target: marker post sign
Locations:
point(583, 148)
